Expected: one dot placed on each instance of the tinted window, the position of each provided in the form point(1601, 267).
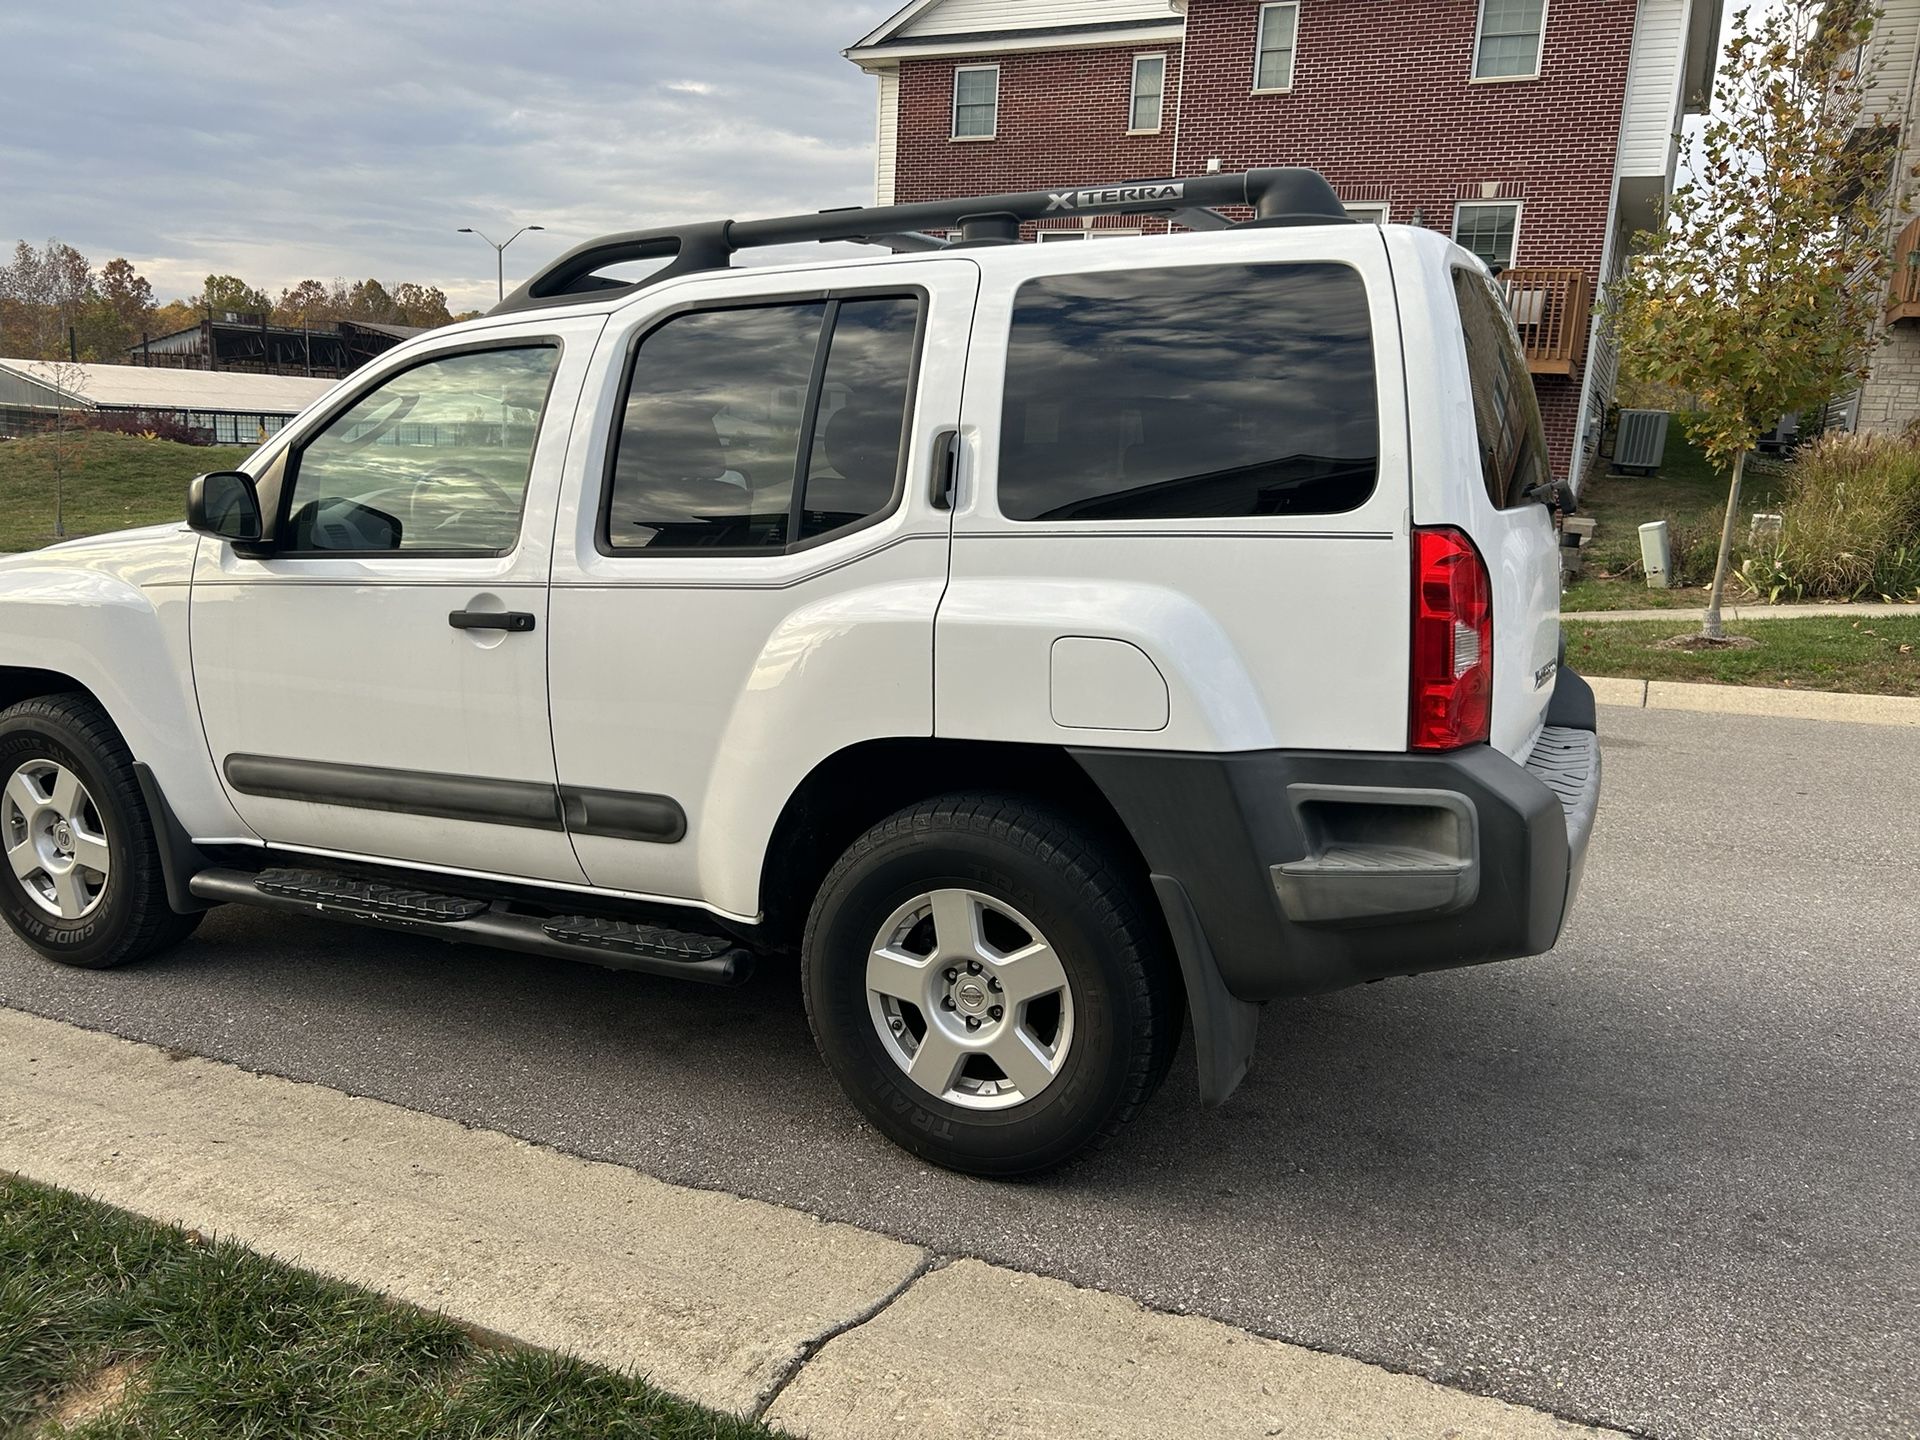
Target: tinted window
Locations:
point(434, 459)
point(1224, 390)
point(717, 404)
point(1506, 413)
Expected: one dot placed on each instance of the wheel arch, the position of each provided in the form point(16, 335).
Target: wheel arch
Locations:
point(859, 785)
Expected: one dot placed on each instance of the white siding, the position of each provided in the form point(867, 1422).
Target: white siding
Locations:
point(1890, 56)
point(886, 138)
point(966, 17)
point(1651, 117)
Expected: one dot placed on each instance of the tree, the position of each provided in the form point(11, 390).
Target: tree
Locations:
point(1760, 293)
point(423, 305)
point(42, 293)
point(308, 304)
point(370, 301)
point(63, 439)
point(222, 293)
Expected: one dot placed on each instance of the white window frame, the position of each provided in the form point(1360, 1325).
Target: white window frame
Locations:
point(1518, 208)
point(1133, 95)
point(1104, 232)
point(1260, 47)
point(1479, 38)
point(1373, 212)
point(960, 70)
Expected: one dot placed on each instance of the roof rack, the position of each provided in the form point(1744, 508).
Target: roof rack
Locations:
point(1277, 196)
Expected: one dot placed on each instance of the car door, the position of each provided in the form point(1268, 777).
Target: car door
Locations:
point(748, 580)
point(376, 685)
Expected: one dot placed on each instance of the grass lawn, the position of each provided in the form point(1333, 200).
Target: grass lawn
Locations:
point(1691, 497)
point(112, 1328)
point(117, 482)
point(1865, 656)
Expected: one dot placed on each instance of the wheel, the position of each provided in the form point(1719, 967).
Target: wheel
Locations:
point(80, 876)
point(988, 987)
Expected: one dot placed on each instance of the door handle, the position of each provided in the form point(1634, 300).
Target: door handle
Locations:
point(517, 621)
point(944, 466)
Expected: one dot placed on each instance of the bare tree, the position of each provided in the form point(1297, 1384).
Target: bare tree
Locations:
point(63, 440)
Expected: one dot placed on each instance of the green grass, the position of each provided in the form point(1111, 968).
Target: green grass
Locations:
point(220, 1342)
point(1691, 497)
point(115, 483)
point(1863, 656)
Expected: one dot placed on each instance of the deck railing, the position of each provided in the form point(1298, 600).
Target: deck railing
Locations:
point(1551, 305)
point(1903, 290)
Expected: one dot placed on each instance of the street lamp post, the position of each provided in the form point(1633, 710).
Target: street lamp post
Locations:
point(500, 253)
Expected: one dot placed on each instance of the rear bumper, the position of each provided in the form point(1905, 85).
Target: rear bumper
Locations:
point(1299, 872)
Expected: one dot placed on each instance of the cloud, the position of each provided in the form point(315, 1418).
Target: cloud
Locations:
point(280, 140)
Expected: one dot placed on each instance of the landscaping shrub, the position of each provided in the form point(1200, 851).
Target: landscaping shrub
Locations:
point(1850, 522)
point(157, 427)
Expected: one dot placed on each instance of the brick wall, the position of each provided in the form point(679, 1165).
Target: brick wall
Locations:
point(1380, 105)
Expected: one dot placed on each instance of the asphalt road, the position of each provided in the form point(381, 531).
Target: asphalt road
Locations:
point(1666, 1178)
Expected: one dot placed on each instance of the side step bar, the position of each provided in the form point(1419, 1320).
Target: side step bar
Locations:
point(612, 944)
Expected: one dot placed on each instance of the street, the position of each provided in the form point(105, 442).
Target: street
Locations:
point(1666, 1178)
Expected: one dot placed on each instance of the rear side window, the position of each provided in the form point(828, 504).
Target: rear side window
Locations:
point(756, 428)
point(1207, 392)
point(1506, 413)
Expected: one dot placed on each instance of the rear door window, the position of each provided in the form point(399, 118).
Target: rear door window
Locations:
point(1506, 413)
point(1194, 392)
point(758, 428)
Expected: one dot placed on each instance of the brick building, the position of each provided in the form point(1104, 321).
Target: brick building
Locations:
point(1539, 133)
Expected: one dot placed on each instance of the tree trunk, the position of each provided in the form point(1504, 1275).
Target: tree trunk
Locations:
point(1710, 627)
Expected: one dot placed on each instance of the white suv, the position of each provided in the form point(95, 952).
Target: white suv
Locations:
point(1039, 642)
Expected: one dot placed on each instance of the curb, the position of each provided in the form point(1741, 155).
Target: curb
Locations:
point(1901, 710)
point(822, 1328)
point(1864, 610)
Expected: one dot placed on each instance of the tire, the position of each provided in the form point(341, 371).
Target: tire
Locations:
point(1005, 882)
point(69, 911)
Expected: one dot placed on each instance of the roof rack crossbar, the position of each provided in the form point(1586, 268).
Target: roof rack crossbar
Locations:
point(1280, 196)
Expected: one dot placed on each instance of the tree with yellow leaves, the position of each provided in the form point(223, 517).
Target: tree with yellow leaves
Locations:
point(1760, 293)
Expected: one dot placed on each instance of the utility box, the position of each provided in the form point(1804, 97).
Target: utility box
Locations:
point(1641, 443)
point(1656, 554)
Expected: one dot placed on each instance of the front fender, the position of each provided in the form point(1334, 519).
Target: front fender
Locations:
point(116, 626)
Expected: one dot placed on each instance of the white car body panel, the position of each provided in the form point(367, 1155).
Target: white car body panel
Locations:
point(721, 681)
point(1269, 630)
point(1519, 545)
point(352, 661)
point(111, 613)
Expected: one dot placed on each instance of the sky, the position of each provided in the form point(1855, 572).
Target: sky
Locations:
point(351, 138)
point(348, 138)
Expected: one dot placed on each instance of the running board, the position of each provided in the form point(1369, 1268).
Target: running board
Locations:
point(613, 944)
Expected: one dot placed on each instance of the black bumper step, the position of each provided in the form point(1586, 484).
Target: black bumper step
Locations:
point(375, 897)
point(614, 944)
point(680, 946)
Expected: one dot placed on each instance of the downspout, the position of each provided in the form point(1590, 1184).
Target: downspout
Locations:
point(1179, 8)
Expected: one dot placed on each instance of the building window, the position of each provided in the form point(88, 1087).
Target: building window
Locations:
point(1105, 232)
point(1127, 395)
point(1510, 39)
point(1368, 212)
point(1489, 231)
point(1149, 94)
point(1273, 63)
point(976, 102)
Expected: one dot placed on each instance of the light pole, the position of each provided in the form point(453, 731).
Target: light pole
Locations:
point(500, 253)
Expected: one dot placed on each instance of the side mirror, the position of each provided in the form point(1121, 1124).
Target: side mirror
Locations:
point(226, 506)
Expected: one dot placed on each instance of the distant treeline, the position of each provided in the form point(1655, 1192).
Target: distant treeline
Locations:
point(46, 293)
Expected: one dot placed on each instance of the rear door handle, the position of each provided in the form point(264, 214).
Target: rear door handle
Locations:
point(945, 464)
point(518, 621)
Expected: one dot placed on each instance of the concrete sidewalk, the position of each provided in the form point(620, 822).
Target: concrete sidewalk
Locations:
point(823, 1329)
point(1902, 710)
point(1742, 613)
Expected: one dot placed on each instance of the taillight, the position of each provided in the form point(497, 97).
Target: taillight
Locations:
point(1452, 692)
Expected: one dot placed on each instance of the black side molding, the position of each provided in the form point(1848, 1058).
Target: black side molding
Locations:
point(526, 804)
point(1572, 705)
point(620, 816)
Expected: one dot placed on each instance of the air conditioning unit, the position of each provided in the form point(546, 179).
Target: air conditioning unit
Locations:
point(1642, 441)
